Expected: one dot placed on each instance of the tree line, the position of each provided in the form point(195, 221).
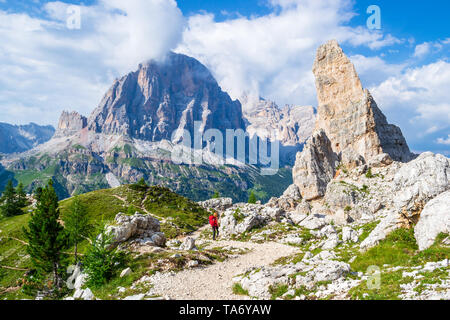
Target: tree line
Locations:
point(49, 235)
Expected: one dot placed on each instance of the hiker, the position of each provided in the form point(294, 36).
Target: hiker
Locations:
point(214, 222)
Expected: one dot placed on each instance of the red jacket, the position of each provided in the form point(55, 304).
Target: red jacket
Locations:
point(213, 221)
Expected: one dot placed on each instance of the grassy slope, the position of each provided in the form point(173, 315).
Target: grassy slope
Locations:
point(103, 205)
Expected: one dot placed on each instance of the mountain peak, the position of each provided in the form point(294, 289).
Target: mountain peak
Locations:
point(161, 97)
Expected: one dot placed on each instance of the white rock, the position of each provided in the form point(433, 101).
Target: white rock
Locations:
point(126, 272)
point(434, 219)
point(192, 264)
point(419, 181)
point(84, 294)
point(330, 271)
point(388, 224)
point(188, 244)
point(219, 204)
point(136, 297)
point(349, 235)
point(313, 222)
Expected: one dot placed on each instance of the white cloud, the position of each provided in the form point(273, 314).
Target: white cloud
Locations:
point(47, 67)
point(272, 55)
point(422, 50)
point(445, 141)
point(419, 98)
point(374, 70)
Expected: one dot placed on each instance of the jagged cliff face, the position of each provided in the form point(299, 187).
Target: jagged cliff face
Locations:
point(161, 97)
point(349, 115)
point(354, 128)
point(22, 138)
point(70, 123)
point(292, 125)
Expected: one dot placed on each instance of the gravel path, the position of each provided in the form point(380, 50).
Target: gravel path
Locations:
point(214, 282)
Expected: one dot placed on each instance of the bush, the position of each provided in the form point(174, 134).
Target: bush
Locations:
point(102, 260)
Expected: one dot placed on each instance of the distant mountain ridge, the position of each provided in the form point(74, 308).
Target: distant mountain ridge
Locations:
point(20, 138)
point(129, 137)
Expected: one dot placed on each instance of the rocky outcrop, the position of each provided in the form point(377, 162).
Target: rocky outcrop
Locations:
point(244, 217)
point(219, 204)
point(24, 137)
point(305, 274)
point(434, 219)
point(315, 166)
point(350, 129)
point(144, 229)
point(161, 97)
point(70, 123)
point(348, 114)
point(288, 201)
point(292, 125)
point(419, 181)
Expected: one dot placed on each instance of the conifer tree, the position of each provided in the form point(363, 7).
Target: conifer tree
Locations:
point(76, 223)
point(22, 200)
point(46, 237)
point(9, 205)
point(252, 198)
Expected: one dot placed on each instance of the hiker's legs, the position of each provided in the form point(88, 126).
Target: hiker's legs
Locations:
point(214, 233)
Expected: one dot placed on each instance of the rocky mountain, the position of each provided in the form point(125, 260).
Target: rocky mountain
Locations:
point(162, 97)
point(70, 123)
point(350, 129)
point(129, 137)
point(290, 125)
point(20, 138)
point(293, 125)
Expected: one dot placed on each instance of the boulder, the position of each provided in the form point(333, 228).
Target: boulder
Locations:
point(145, 229)
point(419, 181)
point(349, 235)
point(288, 201)
point(388, 224)
point(126, 272)
point(244, 217)
point(219, 204)
point(83, 294)
point(313, 222)
point(315, 166)
point(188, 244)
point(330, 270)
point(434, 219)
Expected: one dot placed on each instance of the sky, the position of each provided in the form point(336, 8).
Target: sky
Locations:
point(54, 59)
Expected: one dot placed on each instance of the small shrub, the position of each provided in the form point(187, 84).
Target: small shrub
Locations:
point(237, 289)
point(102, 260)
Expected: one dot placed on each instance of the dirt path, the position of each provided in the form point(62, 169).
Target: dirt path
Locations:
point(215, 282)
point(161, 219)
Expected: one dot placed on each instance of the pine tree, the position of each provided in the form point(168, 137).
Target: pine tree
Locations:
point(252, 198)
point(9, 205)
point(76, 223)
point(46, 237)
point(22, 200)
point(216, 195)
point(142, 182)
point(102, 259)
point(38, 193)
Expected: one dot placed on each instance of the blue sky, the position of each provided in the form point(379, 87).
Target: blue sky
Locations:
point(260, 47)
